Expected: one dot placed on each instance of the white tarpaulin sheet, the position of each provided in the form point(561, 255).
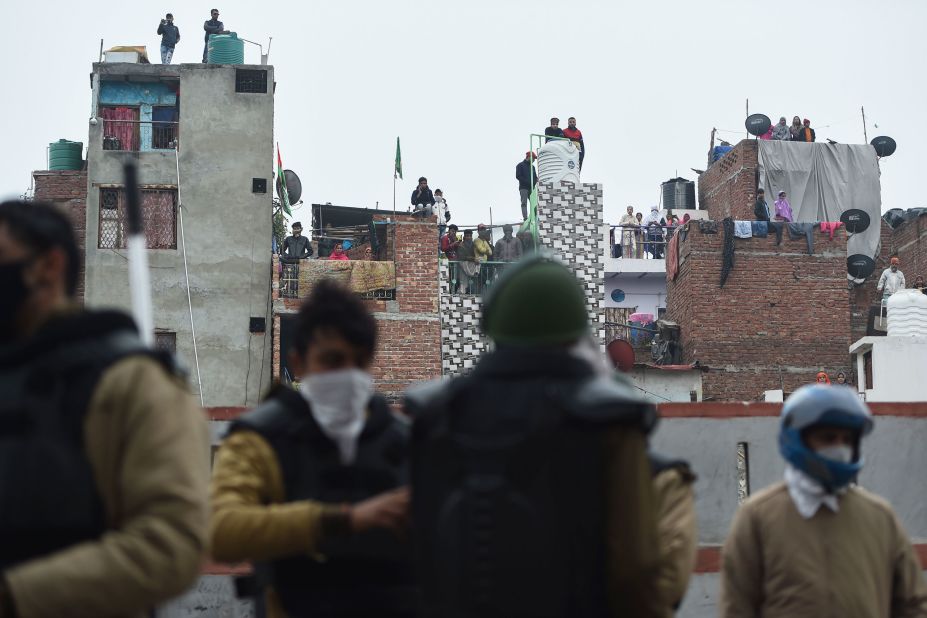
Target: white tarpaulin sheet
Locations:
point(822, 181)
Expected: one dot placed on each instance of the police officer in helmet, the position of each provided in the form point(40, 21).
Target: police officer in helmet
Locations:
point(816, 544)
point(103, 452)
point(532, 493)
point(311, 485)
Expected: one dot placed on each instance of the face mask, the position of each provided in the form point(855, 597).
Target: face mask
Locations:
point(840, 453)
point(13, 296)
point(338, 400)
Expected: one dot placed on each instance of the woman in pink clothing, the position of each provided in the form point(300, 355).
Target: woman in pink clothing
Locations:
point(783, 209)
point(338, 253)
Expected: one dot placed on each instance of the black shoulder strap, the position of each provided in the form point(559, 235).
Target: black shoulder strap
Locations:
point(661, 463)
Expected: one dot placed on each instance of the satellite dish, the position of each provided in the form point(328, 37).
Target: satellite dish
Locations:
point(294, 188)
point(757, 124)
point(884, 145)
point(860, 266)
point(621, 354)
point(856, 220)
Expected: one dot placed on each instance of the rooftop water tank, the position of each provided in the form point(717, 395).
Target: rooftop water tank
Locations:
point(907, 314)
point(65, 155)
point(558, 160)
point(225, 49)
point(679, 193)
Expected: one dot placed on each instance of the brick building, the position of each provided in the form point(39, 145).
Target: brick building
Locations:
point(409, 346)
point(68, 189)
point(728, 187)
point(781, 317)
point(909, 243)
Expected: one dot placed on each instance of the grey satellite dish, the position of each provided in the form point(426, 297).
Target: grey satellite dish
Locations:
point(294, 188)
point(860, 266)
point(884, 145)
point(757, 124)
point(856, 220)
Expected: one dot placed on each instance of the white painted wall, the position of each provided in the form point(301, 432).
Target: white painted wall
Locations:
point(899, 367)
point(662, 385)
point(646, 294)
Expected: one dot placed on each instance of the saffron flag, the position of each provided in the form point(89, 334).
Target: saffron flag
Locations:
point(397, 169)
point(281, 185)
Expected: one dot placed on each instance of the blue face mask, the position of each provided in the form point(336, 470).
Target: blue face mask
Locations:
point(11, 301)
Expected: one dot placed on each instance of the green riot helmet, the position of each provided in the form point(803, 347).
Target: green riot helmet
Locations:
point(536, 302)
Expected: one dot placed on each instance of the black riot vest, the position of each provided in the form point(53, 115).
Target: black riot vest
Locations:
point(361, 575)
point(508, 475)
point(48, 496)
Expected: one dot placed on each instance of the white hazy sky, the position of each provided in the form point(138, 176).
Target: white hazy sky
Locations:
point(464, 83)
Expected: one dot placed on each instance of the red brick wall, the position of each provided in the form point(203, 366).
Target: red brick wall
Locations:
point(409, 345)
point(68, 189)
point(782, 315)
point(728, 187)
point(909, 243)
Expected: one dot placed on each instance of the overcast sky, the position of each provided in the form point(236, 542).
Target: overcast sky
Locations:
point(464, 83)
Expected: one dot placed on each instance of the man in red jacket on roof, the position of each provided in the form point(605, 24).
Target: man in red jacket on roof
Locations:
point(577, 136)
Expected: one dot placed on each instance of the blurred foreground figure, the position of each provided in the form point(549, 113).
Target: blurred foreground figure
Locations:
point(311, 484)
point(817, 544)
point(532, 491)
point(103, 453)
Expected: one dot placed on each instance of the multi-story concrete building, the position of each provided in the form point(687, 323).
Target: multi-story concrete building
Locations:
point(202, 139)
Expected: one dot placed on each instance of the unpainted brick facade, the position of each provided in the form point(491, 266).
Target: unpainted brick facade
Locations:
point(781, 317)
point(909, 243)
point(67, 189)
point(409, 329)
point(728, 187)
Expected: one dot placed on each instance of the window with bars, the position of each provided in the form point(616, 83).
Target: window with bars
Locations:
point(166, 341)
point(159, 214)
point(251, 80)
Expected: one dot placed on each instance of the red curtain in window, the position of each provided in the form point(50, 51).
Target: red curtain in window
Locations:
point(160, 214)
point(125, 132)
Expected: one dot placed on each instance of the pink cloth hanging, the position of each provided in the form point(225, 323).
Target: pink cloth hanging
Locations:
point(829, 227)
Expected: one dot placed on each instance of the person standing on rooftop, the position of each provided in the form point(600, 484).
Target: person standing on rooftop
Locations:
point(781, 130)
point(795, 129)
point(554, 129)
point(527, 178)
point(170, 36)
point(761, 207)
point(577, 137)
point(807, 133)
point(783, 208)
point(212, 26)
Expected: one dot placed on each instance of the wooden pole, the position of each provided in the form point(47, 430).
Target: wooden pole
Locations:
point(865, 135)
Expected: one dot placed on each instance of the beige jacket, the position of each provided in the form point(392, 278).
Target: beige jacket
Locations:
point(857, 562)
point(677, 534)
point(148, 446)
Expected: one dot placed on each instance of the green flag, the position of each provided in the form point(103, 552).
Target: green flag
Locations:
point(397, 170)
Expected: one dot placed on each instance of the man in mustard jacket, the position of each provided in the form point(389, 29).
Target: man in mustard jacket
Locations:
point(817, 544)
point(676, 528)
point(311, 485)
point(103, 453)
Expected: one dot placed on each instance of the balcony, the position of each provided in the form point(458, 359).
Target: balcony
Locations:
point(369, 279)
point(473, 278)
point(638, 249)
point(139, 135)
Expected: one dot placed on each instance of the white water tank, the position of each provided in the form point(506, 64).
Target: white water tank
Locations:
point(558, 160)
point(907, 314)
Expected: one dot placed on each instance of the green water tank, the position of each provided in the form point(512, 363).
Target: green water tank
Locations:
point(65, 155)
point(225, 49)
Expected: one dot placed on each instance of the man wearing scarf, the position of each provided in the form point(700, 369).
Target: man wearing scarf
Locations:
point(816, 544)
point(311, 486)
point(781, 130)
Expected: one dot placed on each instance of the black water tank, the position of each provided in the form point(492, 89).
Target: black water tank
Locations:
point(894, 217)
point(679, 193)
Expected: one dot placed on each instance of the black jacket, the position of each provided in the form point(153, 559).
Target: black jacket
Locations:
point(296, 248)
point(427, 197)
point(523, 175)
point(759, 210)
point(801, 135)
point(170, 34)
point(553, 132)
point(212, 26)
point(508, 470)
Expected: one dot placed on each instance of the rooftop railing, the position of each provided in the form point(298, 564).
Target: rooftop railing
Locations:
point(641, 242)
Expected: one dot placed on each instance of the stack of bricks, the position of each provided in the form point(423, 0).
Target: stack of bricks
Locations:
point(570, 223)
point(781, 317)
point(68, 190)
point(409, 328)
point(728, 187)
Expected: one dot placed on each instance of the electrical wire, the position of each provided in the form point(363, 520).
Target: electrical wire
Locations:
point(186, 273)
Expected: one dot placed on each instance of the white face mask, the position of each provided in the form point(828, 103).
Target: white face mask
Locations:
point(338, 400)
point(840, 453)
